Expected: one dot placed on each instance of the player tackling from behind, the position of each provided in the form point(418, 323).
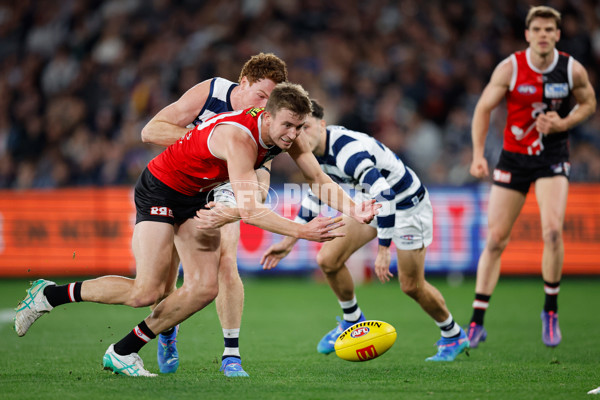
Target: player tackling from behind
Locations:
point(538, 85)
point(404, 218)
point(174, 186)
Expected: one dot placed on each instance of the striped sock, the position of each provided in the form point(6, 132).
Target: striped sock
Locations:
point(551, 299)
point(58, 295)
point(480, 305)
point(135, 340)
point(232, 345)
point(351, 310)
point(449, 328)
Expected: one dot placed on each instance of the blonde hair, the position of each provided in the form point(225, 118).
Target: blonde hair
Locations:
point(542, 12)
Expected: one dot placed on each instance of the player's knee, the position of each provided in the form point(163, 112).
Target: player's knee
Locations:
point(410, 287)
point(496, 243)
point(552, 237)
point(144, 298)
point(328, 264)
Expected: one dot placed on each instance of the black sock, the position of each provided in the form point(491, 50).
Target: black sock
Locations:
point(135, 340)
point(480, 305)
point(551, 299)
point(58, 295)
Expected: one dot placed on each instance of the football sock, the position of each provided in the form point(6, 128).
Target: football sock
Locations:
point(232, 346)
point(450, 329)
point(551, 290)
point(58, 295)
point(135, 340)
point(480, 305)
point(351, 310)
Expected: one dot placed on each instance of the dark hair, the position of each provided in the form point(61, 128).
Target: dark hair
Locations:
point(264, 66)
point(317, 109)
point(542, 12)
point(290, 96)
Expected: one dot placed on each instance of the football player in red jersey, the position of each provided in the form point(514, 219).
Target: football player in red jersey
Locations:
point(258, 77)
point(538, 84)
point(175, 185)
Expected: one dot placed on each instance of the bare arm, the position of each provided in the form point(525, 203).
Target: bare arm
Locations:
point(264, 179)
point(234, 145)
point(583, 91)
point(492, 95)
point(326, 189)
point(169, 124)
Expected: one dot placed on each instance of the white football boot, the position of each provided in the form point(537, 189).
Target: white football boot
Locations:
point(130, 365)
point(33, 306)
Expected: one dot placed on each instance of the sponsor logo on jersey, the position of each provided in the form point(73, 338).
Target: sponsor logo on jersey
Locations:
point(254, 111)
point(366, 353)
point(502, 176)
point(556, 90)
point(362, 331)
point(526, 89)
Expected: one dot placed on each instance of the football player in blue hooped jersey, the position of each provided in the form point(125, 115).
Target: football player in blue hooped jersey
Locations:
point(258, 77)
point(405, 218)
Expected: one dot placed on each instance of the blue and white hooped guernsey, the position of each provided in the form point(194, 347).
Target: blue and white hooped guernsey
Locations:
point(218, 101)
point(361, 161)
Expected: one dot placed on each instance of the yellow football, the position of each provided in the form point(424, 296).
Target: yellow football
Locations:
point(365, 341)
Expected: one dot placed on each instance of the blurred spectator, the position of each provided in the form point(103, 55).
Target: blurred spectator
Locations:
point(80, 78)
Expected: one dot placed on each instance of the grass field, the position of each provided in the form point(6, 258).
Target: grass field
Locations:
point(60, 358)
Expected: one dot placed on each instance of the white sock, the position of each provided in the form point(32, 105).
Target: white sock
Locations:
point(232, 347)
point(351, 310)
point(449, 327)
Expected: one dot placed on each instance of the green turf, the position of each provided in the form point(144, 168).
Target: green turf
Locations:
point(60, 358)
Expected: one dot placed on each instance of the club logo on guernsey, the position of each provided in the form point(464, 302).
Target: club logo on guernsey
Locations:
point(526, 89)
point(367, 353)
point(362, 331)
point(556, 90)
point(162, 211)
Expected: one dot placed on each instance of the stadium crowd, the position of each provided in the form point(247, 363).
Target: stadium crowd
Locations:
point(80, 78)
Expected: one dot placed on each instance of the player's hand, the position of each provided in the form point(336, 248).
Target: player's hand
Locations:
point(479, 168)
point(215, 215)
point(321, 229)
point(275, 253)
point(550, 122)
point(382, 264)
point(365, 212)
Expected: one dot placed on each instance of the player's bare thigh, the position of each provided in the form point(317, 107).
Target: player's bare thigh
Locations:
point(504, 207)
point(340, 249)
point(152, 244)
point(199, 250)
point(551, 194)
point(411, 265)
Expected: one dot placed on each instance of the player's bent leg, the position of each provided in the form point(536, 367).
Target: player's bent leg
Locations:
point(411, 274)
point(331, 259)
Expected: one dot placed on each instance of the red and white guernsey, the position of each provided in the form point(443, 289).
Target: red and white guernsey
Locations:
point(532, 92)
point(189, 166)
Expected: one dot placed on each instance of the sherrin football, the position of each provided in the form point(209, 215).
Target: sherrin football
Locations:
point(365, 341)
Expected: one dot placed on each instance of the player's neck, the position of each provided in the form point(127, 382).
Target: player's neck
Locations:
point(541, 61)
point(236, 102)
point(319, 150)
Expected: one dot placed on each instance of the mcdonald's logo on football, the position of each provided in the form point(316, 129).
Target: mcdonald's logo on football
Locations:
point(367, 353)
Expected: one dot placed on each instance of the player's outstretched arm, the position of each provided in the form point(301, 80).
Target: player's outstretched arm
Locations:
point(170, 123)
point(326, 189)
point(277, 252)
point(234, 145)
